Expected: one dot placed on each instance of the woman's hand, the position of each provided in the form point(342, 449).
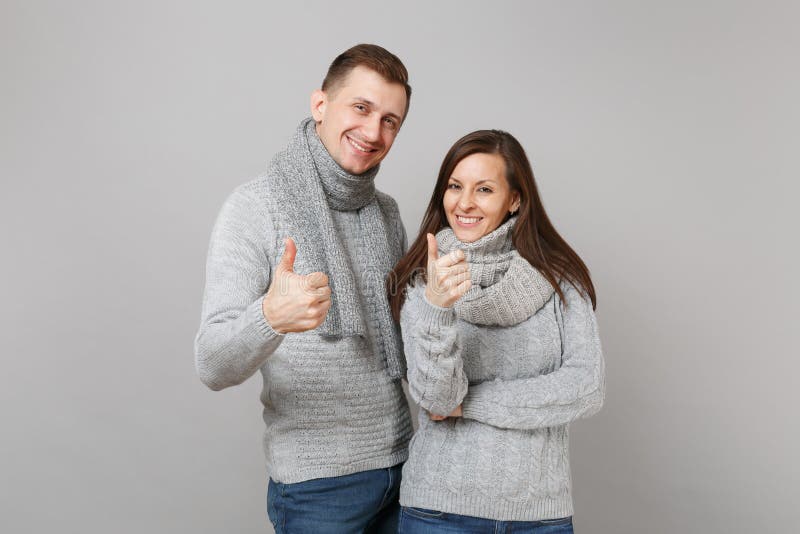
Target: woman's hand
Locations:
point(448, 276)
point(456, 413)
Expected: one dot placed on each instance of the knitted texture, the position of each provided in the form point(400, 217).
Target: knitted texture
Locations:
point(506, 289)
point(507, 457)
point(308, 184)
point(330, 406)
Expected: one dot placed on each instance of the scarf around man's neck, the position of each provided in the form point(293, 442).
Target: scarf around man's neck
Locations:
point(307, 184)
point(506, 289)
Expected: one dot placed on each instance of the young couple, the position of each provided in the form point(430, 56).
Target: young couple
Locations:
point(488, 315)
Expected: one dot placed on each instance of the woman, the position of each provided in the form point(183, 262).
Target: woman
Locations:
point(502, 347)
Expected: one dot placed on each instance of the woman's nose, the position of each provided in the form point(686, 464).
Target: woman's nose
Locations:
point(465, 201)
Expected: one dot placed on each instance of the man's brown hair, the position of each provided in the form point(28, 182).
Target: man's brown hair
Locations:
point(373, 57)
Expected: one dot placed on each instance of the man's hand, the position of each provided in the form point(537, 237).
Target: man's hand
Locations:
point(448, 276)
point(456, 413)
point(295, 303)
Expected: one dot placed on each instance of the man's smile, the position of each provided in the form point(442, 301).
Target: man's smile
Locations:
point(361, 147)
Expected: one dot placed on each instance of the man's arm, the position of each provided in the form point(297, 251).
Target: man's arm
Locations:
point(402, 236)
point(234, 339)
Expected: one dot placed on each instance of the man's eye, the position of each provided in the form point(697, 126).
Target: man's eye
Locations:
point(361, 107)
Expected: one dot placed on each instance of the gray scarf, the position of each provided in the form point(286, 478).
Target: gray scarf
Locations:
point(506, 289)
point(307, 184)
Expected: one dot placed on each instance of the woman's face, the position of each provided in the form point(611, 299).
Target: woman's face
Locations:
point(478, 196)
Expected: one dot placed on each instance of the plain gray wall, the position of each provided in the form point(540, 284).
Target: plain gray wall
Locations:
point(665, 140)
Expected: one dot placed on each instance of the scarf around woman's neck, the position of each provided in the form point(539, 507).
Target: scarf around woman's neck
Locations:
point(506, 289)
point(308, 184)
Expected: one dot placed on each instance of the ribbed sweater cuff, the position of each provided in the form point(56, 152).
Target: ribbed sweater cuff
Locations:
point(255, 313)
point(473, 408)
point(435, 317)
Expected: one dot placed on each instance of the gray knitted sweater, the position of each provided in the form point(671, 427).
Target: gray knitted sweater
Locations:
point(507, 458)
point(330, 407)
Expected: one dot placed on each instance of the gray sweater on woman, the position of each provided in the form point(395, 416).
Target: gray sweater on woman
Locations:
point(507, 458)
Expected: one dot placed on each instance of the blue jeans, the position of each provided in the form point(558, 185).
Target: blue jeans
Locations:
point(357, 503)
point(422, 521)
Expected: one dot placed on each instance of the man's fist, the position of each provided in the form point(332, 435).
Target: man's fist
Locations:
point(295, 302)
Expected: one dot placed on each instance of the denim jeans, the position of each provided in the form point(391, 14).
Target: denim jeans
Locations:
point(422, 521)
point(365, 502)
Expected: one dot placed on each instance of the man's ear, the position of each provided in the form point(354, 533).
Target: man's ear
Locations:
point(319, 101)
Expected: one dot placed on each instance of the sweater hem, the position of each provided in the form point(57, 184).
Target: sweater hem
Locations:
point(487, 506)
point(328, 471)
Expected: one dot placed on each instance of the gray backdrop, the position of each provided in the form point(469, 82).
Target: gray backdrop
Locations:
point(665, 140)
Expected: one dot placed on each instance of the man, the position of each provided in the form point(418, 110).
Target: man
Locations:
point(295, 288)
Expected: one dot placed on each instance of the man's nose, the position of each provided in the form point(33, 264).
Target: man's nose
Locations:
point(372, 129)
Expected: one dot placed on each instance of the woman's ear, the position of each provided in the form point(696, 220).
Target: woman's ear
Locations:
point(515, 202)
point(319, 101)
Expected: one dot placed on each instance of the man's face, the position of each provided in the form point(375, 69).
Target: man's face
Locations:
point(358, 120)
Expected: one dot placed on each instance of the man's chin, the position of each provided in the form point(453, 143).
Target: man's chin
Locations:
point(358, 168)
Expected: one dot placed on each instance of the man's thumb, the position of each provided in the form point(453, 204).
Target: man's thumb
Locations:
point(289, 254)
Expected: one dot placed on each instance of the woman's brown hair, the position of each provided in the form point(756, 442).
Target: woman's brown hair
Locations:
point(534, 236)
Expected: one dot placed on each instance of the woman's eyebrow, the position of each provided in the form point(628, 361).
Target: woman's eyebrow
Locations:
point(484, 181)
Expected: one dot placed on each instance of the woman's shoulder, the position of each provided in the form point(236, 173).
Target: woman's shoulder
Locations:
point(573, 296)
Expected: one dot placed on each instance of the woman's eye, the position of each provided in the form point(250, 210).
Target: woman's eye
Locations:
point(485, 190)
point(453, 186)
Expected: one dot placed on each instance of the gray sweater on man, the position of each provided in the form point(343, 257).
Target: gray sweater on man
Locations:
point(330, 405)
point(507, 458)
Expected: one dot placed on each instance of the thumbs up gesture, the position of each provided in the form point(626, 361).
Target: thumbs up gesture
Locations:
point(448, 276)
point(295, 302)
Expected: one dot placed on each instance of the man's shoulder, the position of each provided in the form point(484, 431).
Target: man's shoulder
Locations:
point(253, 187)
point(255, 192)
point(387, 203)
point(250, 204)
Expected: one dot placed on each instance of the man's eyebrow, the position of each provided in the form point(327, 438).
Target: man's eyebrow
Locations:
point(371, 104)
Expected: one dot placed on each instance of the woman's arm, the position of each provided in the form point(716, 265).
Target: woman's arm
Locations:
point(576, 389)
point(234, 339)
point(436, 376)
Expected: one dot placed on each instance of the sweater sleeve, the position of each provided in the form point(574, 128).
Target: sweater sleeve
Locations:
point(574, 390)
point(436, 378)
point(234, 339)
